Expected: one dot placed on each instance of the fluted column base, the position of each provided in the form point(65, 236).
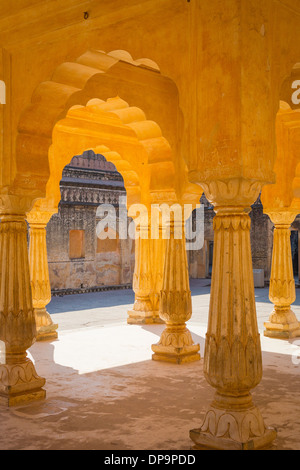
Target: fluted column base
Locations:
point(45, 328)
point(282, 324)
point(142, 312)
point(157, 319)
point(239, 427)
point(176, 345)
point(20, 384)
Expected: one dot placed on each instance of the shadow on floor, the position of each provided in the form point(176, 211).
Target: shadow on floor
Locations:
point(142, 405)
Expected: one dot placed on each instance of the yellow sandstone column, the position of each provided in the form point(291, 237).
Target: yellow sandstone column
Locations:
point(39, 274)
point(283, 322)
point(19, 381)
point(142, 312)
point(232, 361)
point(176, 344)
point(157, 260)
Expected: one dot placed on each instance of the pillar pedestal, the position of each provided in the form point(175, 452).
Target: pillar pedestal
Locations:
point(46, 329)
point(242, 428)
point(19, 381)
point(142, 313)
point(232, 361)
point(176, 344)
point(282, 323)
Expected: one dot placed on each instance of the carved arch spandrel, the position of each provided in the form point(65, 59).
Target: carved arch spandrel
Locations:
point(128, 140)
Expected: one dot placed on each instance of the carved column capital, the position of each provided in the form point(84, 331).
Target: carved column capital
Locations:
point(40, 219)
point(232, 194)
point(281, 218)
point(15, 204)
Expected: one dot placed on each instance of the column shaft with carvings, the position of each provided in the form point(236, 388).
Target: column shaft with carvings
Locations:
point(176, 344)
point(232, 362)
point(157, 260)
point(39, 275)
point(142, 312)
point(282, 323)
point(19, 381)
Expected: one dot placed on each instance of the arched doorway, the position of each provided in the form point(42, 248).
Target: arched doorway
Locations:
point(68, 116)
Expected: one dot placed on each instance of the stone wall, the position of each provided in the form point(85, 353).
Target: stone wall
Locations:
point(199, 260)
point(261, 242)
point(261, 239)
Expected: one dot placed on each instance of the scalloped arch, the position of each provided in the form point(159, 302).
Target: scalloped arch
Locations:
point(82, 91)
point(132, 143)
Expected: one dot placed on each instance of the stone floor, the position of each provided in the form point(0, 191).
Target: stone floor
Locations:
point(104, 392)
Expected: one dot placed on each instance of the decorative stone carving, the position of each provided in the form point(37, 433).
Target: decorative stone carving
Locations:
point(232, 361)
point(157, 261)
point(142, 312)
point(176, 344)
point(283, 323)
point(19, 381)
point(39, 274)
point(242, 429)
point(282, 203)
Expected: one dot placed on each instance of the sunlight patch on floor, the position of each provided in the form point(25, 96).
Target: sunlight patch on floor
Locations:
point(92, 349)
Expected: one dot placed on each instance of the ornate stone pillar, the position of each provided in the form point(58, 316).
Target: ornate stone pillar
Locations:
point(282, 322)
point(19, 381)
point(232, 361)
point(157, 260)
point(176, 344)
point(142, 312)
point(39, 274)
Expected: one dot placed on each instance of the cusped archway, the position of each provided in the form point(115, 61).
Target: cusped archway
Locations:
point(83, 91)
